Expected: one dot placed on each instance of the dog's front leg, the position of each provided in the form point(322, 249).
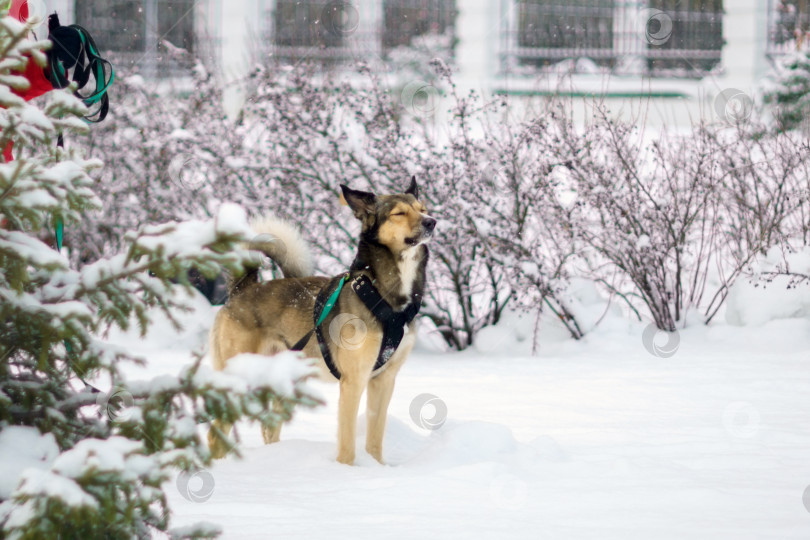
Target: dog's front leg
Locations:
point(355, 355)
point(380, 390)
point(351, 389)
point(272, 434)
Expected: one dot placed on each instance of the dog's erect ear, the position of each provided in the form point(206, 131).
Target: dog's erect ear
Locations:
point(361, 202)
point(413, 189)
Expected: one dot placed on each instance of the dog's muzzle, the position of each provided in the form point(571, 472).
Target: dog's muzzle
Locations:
point(428, 224)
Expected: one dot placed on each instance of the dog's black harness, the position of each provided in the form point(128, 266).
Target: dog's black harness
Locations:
point(393, 322)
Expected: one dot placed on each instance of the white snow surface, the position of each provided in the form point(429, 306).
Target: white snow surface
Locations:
point(46, 483)
point(186, 237)
point(753, 300)
point(280, 374)
point(23, 447)
point(592, 439)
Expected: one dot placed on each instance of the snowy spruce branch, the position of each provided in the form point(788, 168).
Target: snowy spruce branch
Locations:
point(94, 464)
point(105, 487)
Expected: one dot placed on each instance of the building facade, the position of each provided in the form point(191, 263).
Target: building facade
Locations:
point(670, 58)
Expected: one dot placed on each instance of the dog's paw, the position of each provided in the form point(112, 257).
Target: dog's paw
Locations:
point(376, 453)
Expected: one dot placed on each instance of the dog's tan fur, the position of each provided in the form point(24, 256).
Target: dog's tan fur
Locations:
point(267, 318)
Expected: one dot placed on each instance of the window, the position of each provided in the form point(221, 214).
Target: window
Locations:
point(302, 24)
point(133, 32)
point(696, 40)
point(681, 38)
point(115, 25)
point(332, 31)
point(404, 20)
point(550, 31)
point(316, 30)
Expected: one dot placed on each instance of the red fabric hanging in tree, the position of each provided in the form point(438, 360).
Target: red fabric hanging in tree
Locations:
point(38, 83)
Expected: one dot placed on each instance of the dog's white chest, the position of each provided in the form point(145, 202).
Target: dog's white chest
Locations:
point(408, 266)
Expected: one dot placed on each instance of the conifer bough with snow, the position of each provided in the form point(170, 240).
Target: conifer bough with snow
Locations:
point(76, 462)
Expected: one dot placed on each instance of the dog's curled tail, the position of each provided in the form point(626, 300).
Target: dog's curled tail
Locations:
point(281, 241)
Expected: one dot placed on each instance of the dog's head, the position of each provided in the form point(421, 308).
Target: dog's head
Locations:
point(397, 221)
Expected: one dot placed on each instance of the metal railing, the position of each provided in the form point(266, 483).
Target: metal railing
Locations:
point(654, 38)
point(142, 36)
point(404, 20)
point(151, 64)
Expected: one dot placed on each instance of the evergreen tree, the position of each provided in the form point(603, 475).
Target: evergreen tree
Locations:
point(789, 92)
point(82, 468)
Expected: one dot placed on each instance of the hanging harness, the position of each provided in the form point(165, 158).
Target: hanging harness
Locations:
point(74, 48)
point(392, 322)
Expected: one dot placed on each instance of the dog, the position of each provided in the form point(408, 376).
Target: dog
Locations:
point(355, 343)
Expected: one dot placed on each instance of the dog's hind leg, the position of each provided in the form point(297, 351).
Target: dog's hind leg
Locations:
point(217, 444)
point(272, 344)
point(227, 340)
point(272, 434)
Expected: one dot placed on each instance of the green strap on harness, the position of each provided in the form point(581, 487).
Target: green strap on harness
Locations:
point(60, 231)
point(327, 307)
point(102, 85)
point(330, 303)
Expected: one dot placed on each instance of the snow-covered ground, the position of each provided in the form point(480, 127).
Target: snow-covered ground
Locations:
point(596, 439)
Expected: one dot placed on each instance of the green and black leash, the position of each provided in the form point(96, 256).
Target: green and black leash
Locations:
point(74, 49)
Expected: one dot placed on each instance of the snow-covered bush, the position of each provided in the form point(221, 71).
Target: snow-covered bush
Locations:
point(168, 150)
point(777, 286)
point(681, 218)
point(764, 181)
point(524, 207)
point(94, 469)
point(652, 213)
point(518, 194)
